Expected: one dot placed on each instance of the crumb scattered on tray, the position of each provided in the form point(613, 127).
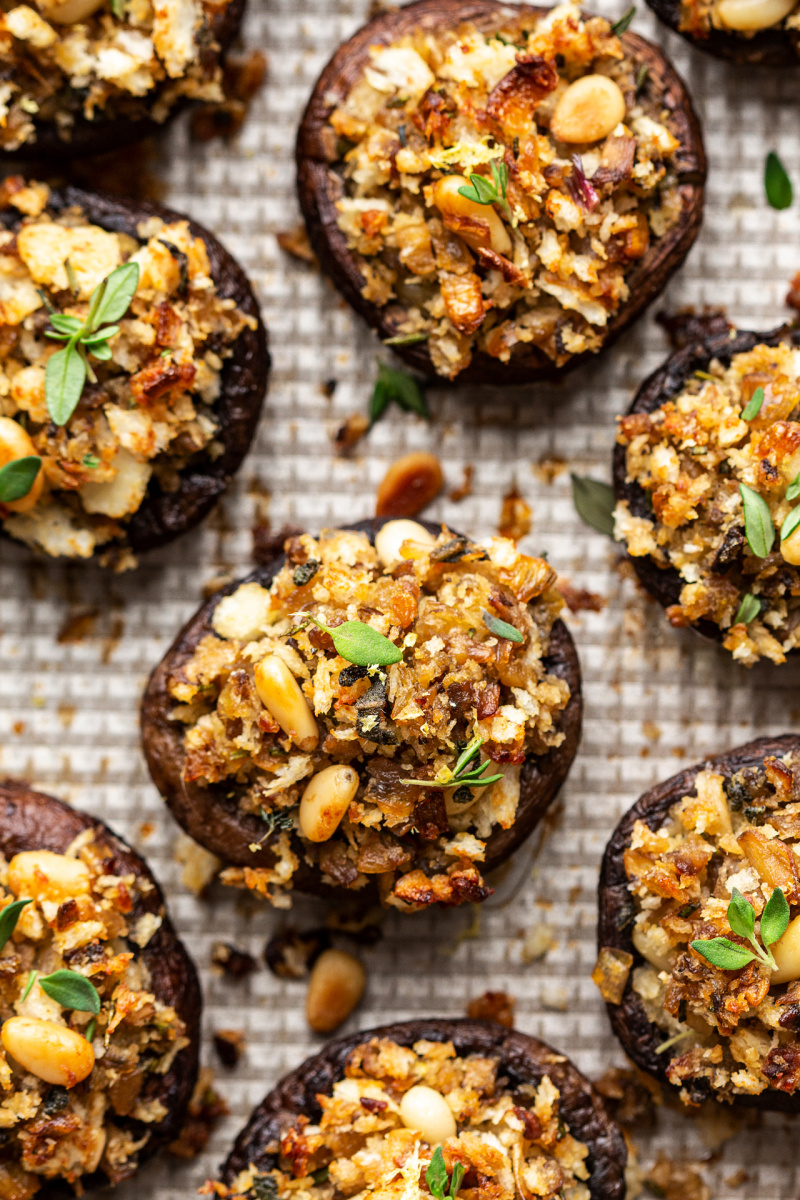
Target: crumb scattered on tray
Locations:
point(205, 1109)
point(229, 960)
point(493, 1006)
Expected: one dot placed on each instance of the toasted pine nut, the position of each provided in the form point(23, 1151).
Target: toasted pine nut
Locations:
point(51, 1052)
point(427, 1112)
point(389, 540)
point(790, 548)
point(654, 946)
point(450, 202)
point(43, 875)
point(336, 986)
point(282, 695)
point(786, 952)
point(588, 110)
point(15, 443)
point(748, 16)
point(70, 12)
point(326, 800)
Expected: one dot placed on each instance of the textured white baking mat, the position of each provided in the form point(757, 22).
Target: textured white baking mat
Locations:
point(656, 699)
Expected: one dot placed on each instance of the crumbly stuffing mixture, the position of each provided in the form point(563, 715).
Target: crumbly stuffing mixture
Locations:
point(690, 456)
point(410, 720)
point(699, 17)
point(54, 1132)
point(151, 412)
point(451, 102)
point(743, 832)
point(511, 1141)
point(122, 60)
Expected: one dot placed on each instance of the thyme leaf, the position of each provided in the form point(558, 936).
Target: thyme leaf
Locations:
point(748, 610)
point(758, 527)
point(8, 919)
point(494, 191)
point(462, 775)
point(18, 477)
point(777, 184)
point(594, 503)
point(619, 27)
point(71, 990)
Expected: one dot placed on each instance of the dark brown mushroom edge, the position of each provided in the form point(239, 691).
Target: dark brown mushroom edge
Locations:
point(720, 416)
point(86, 76)
point(592, 138)
point(407, 1089)
point(735, 29)
point(668, 876)
point(113, 1086)
point(164, 421)
point(232, 742)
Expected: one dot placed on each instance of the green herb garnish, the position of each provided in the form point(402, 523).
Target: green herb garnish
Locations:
point(793, 490)
point(594, 503)
point(462, 774)
point(501, 628)
point(619, 27)
point(671, 1041)
point(396, 387)
point(641, 76)
point(71, 990)
point(748, 610)
point(406, 339)
point(357, 642)
point(494, 191)
point(436, 1177)
point(31, 981)
point(91, 461)
point(18, 477)
point(90, 1028)
point(754, 406)
point(777, 183)
point(758, 527)
point(790, 524)
point(68, 369)
point(8, 919)
point(731, 956)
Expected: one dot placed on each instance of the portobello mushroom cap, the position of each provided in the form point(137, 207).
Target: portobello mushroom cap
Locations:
point(319, 186)
point(638, 1035)
point(211, 814)
point(523, 1060)
point(767, 48)
point(31, 820)
point(665, 583)
point(111, 133)
point(163, 516)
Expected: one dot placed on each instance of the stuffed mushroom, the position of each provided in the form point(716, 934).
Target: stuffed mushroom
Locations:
point(386, 709)
point(100, 1004)
point(429, 1107)
point(84, 76)
point(758, 32)
point(133, 366)
point(499, 191)
point(707, 481)
point(699, 933)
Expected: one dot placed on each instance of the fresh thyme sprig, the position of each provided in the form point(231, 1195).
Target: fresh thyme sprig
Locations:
point(462, 775)
point(483, 191)
point(355, 641)
point(68, 369)
point(731, 956)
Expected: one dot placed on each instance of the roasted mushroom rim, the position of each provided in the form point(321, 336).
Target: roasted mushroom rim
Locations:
point(435, 1106)
point(303, 768)
point(100, 1002)
point(90, 74)
point(699, 929)
point(757, 33)
point(706, 474)
point(172, 386)
point(582, 144)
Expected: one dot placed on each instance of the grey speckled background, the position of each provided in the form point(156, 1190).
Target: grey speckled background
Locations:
point(656, 699)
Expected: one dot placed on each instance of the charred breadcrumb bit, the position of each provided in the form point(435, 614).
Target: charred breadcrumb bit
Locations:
point(150, 415)
point(630, 1096)
point(350, 433)
point(206, 1109)
point(515, 516)
point(231, 961)
point(464, 489)
point(130, 63)
point(457, 681)
point(242, 77)
point(691, 456)
point(548, 264)
point(94, 926)
point(514, 1142)
point(295, 242)
point(681, 878)
point(686, 325)
point(581, 599)
point(493, 1006)
point(291, 955)
point(229, 1045)
point(673, 1180)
